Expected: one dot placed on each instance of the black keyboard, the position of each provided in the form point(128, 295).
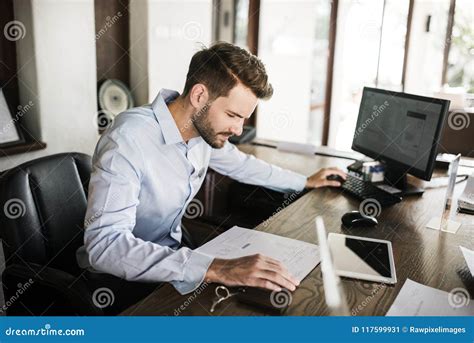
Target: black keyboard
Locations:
point(363, 190)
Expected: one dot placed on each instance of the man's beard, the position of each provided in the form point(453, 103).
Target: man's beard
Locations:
point(204, 128)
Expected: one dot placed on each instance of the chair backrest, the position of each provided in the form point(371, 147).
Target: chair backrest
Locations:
point(43, 205)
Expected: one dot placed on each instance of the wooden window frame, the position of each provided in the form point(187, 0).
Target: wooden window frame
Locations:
point(447, 41)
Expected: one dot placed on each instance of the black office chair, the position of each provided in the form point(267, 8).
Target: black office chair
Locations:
point(43, 204)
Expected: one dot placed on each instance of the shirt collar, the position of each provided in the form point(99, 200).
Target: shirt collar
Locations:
point(170, 131)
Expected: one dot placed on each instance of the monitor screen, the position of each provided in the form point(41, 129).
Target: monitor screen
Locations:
point(400, 129)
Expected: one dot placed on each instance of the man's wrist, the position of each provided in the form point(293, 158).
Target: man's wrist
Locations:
point(212, 274)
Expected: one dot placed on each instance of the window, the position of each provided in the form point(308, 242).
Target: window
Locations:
point(231, 20)
point(460, 68)
point(241, 23)
point(293, 44)
point(370, 47)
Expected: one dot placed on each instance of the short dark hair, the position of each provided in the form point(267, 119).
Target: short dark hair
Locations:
point(222, 65)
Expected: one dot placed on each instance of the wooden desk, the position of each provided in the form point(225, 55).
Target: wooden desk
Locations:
point(427, 256)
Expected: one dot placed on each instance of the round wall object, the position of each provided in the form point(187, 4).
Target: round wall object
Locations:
point(114, 97)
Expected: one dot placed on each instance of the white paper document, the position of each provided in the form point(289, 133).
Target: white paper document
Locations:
point(416, 299)
point(300, 258)
point(469, 257)
point(466, 200)
point(435, 224)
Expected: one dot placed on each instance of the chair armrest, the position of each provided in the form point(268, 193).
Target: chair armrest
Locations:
point(68, 286)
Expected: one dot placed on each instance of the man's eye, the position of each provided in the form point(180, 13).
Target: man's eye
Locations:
point(230, 115)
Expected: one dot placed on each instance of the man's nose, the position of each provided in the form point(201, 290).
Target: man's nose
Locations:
point(237, 130)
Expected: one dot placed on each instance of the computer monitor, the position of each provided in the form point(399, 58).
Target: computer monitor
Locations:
point(402, 131)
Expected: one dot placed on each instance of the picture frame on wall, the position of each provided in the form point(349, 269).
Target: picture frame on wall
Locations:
point(10, 132)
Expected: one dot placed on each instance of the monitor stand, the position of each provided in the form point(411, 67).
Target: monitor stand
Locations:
point(397, 177)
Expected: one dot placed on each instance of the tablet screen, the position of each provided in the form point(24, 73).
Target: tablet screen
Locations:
point(362, 258)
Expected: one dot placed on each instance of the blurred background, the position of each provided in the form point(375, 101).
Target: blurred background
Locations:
point(55, 55)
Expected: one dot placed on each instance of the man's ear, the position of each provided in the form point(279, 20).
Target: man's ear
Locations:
point(199, 96)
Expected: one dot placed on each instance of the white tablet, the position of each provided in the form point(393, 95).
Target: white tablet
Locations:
point(362, 258)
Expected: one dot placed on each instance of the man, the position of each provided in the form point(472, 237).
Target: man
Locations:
point(150, 164)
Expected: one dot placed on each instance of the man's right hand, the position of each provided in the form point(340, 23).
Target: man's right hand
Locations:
point(254, 270)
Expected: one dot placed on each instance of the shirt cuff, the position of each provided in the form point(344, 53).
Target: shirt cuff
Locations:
point(195, 270)
point(296, 182)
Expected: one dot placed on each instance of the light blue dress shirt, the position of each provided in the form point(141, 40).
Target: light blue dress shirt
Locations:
point(144, 176)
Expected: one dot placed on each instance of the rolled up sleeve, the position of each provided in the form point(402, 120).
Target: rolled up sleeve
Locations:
point(246, 168)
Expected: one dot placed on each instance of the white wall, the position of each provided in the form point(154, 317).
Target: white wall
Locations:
point(174, 31)
point(355, 65)
point(57, 72)
point(425, 54)
point(286, 38)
